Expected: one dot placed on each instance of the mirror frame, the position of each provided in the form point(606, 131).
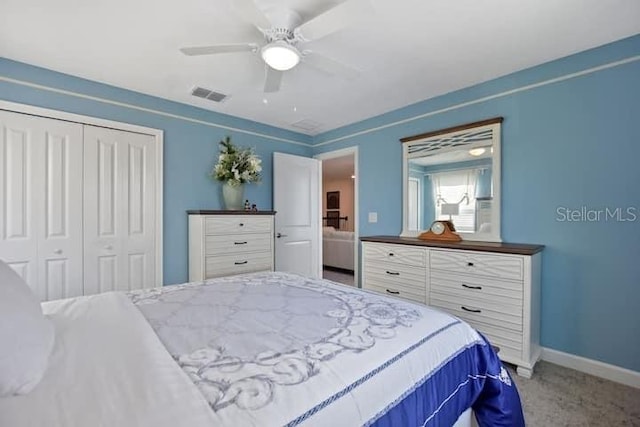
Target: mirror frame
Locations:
point(494, 125)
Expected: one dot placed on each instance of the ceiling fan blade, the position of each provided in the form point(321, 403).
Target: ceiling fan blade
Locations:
point(247, 10)
point(334, 19)
point(273, 79)
point(330, 66)
point(219, 48)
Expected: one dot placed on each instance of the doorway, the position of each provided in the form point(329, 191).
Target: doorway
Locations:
point(339, 213)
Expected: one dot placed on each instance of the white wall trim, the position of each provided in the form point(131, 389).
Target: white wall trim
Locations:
point(486, 98)
point(356, 202)
point(148, 110)
point(158, 134)
point(592, 367)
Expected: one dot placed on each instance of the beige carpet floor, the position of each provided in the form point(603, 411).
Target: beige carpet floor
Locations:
point(338, 276)
point(557, 396)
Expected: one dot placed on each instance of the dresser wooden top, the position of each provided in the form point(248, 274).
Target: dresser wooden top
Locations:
point(225, 212)
point(500, 247)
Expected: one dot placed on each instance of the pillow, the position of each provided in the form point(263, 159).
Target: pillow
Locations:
point(26, 336)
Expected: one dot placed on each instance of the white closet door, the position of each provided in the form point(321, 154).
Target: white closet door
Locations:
point(119, 210)
point(41, 202)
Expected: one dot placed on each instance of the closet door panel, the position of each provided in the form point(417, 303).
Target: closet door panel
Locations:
point(60, 220)
point(141, 224)
point(19, 137)
point(119, 188)
point(41, 213)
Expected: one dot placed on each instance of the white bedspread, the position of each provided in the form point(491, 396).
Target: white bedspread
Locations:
point(108, 368)
point(273, 349)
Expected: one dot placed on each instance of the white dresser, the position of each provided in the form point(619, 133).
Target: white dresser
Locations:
point(495, 287)
point(223, 243)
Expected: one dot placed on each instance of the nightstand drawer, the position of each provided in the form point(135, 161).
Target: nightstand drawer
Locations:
point(375, 252)
point(468, 262)
point(231, 244)
point(234, 224)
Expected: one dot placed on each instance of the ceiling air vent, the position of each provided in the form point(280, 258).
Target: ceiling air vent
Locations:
point(211, 95)
point(307, 125)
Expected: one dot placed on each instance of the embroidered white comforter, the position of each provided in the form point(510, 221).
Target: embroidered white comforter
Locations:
point(273, 349)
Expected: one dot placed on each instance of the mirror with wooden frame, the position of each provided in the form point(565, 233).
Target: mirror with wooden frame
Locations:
point(453, 174)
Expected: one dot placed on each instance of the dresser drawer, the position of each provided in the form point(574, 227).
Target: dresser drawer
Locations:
point(235, 224)
point(397, 291)
point(235, 264)
point(374, 252)
point(398, 274)
point(236, 243)
point(505, 316)
point(510, 342)
point(468, 262)
point(464, 285)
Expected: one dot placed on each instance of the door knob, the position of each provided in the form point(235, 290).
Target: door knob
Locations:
point(279, 235)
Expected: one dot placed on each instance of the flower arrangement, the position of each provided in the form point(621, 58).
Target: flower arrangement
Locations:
point(236, 165)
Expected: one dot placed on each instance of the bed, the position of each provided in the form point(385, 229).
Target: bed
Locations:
point(262, 349)
point(337, 248)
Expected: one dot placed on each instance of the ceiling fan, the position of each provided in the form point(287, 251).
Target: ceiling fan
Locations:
point(284, 33)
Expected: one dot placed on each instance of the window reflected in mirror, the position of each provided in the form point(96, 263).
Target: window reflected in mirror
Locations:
point(462, 194)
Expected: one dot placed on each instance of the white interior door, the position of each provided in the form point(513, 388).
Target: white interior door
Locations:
point(296, 198)
point(41, 202)
point(119, 210)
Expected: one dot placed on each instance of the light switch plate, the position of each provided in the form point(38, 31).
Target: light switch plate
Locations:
point(373, 216)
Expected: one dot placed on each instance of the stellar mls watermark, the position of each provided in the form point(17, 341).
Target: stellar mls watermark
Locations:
point(608, 214)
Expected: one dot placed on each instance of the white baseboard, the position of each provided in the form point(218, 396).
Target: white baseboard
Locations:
point(592, 367)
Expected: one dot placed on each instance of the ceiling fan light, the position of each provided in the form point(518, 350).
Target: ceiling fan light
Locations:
point(280, 56)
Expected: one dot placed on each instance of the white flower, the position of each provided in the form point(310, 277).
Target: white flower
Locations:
point(236, 165)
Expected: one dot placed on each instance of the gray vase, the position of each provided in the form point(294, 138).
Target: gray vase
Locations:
point(233, 196)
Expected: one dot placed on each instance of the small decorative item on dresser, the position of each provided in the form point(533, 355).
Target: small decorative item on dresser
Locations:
point(235, 167)
point(247, 205)
point(441, 231)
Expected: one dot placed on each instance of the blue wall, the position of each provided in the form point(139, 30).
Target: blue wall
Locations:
point(570, 143)
point(190, 149)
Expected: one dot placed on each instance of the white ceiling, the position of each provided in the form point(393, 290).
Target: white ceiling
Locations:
point(408, 51)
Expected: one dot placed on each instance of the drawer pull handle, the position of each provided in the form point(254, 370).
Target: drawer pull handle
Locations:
point(393, 273)
point(464, 285)
point(391, 254)
point(241, 224)
point(471, 310)
point(239, 243)
point(470, 264)
point(393, 292)
point(240, 262)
